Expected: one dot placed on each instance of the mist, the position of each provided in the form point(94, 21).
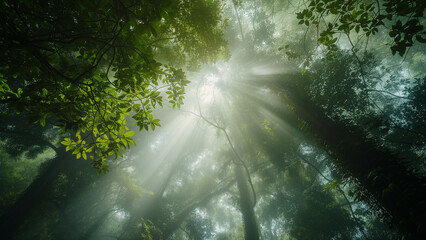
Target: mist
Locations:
point(269, 127)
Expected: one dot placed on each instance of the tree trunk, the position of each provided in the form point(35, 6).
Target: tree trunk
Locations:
point(251, 229)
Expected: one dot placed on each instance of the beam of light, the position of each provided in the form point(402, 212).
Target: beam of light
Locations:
point(208, 90)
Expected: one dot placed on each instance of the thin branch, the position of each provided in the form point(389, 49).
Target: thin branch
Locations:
point(241, 162)
point(338, 187)
point(239, 22)
point(387, 92)
point(160, 39)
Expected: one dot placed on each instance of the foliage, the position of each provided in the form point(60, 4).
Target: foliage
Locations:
point(321, 217)
point(199, 227)
point(150, 231)
point(20, 137)
point(186, 169)
point(333, 81)
point(89, 64)
point(366, 17)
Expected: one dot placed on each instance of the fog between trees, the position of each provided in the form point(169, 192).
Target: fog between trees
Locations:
point(256, 119)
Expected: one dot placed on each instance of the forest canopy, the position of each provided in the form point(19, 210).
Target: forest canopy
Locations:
point(279, 119)
point(89, 64)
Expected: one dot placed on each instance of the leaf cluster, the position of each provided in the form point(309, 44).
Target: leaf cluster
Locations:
point(366, 18)
point(91, 64)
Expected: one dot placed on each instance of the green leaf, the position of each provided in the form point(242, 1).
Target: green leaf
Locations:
point(119, 153)
point(129, 134)
point(43, 121)
point(66, 142)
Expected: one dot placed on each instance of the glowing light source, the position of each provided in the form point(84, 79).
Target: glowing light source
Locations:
point(208, 90)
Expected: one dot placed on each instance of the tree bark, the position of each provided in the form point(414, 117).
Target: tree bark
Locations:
point(251, 228)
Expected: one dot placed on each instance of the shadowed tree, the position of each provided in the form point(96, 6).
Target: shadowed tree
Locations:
point(377, 170)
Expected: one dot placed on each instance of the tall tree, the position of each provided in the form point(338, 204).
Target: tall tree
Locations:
point(251, 227)
point(378, 171)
